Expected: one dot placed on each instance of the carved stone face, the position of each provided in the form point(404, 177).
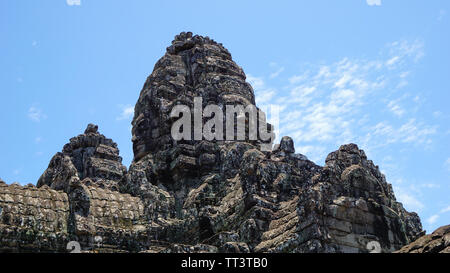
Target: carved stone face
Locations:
point(192, 67)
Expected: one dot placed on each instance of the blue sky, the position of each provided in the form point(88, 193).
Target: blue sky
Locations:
point(376, 73)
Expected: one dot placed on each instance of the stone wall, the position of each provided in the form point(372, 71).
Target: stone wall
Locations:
point(118, 219)
point(33, 219)
point(45, 220)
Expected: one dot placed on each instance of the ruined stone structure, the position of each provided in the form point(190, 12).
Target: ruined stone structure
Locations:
point(91, 157)
point(199, 195)
point(436, 242)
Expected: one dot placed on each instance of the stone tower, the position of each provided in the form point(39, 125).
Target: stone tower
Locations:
point(201, 195)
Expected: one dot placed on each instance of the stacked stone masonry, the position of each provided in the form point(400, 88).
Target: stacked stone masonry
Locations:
point(198, 195)
point(436, 242)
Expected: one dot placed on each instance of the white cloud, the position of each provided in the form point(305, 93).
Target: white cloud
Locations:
point(411, 131)
point(351, 100)
point(264, 96)
point(432, 219)
point(410, 202)
point(314, 153)
point(38, 139)
point(447, 163)
point(276, 73)
point(127, 112)
point(36, 114)
point(444, 210)
point(257, 83)
point(395, 108)
point(325, 101)
point(430, 186)
point(297, 78)
point(373, 2)
point(437, 114)
point(73, 2)
point(392, 61)
point(403, 50)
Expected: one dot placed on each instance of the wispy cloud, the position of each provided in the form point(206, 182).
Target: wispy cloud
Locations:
point(395, 108)
point(36, 114)
point(432, 219)
point(359, 100)
point(409, 200)
point(325, 101)
point(277, 72)
point(263, 94)
point(73, 2)
point(346, 101)
point(256, 82)
point(127, 112)
point(437, 114)
point(447, 164)
point(403, 50)
point(313, 152)
point(444, 210)
point(430, 186)
point(411, 131)
point(373, 2)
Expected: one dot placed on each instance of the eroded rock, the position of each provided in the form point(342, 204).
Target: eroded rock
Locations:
point(89, 155)
point(204, 196)
point(436, 242)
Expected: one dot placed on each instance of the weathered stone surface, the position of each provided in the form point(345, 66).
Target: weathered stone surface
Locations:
point(436, 242)
point(90, 155)
point(357, 205)
point(193, 66)
point(206, 196)
point(32, 219)
point(118, 219)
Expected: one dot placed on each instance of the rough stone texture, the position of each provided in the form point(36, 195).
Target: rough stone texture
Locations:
point(44, 220)
point(436, 242)
point(349, 204)
point(32, 219)
point(76, 199)
point(90, 155)
point(210, 196)
point(117, 218)
point(193, 66)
